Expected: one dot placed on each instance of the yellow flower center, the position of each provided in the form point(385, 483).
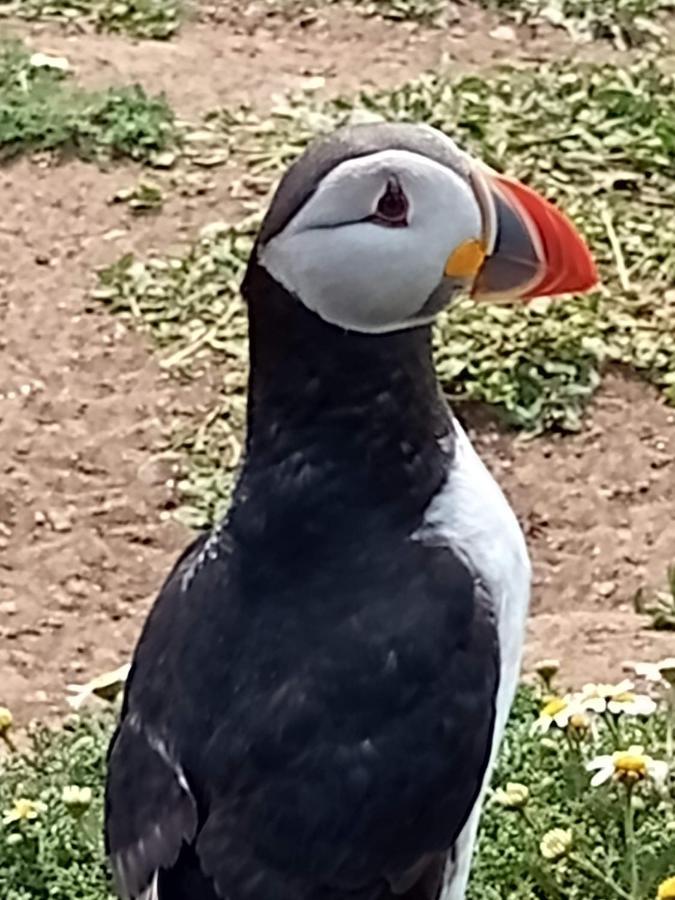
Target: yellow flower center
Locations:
point(25, 809)
point(553, 707)
point(515, 796)
point(556, 843)
point(5, 719)
point(630, 766)
point(667, 889)
point(626, 697)
point(579, 722)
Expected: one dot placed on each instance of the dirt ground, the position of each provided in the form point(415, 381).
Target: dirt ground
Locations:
point(86, 526)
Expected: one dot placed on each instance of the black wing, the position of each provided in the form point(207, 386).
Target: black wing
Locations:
point(150, 809)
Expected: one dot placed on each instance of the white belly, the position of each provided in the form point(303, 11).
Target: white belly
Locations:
point(472, 516)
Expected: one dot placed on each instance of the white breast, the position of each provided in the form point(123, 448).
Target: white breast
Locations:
point(471, 515)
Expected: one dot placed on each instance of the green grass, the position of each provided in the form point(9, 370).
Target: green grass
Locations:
point(627, 23)
point(598, 140)
point(42, 110)
point(158, 19)
point(58, 855)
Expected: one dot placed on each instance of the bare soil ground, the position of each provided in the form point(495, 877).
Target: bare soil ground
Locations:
point(86, 530)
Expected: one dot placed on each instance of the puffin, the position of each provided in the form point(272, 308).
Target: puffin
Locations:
point(318, 694)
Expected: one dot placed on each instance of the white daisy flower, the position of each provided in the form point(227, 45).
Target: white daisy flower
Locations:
point(661, 672)
point(557, 711)
point(617, 699)
point(628, 767)
point(24, 810)
point(77, 799)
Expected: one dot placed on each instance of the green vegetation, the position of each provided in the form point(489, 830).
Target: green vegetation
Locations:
point(514, 859)
point(50, 829)
point(145, 196)
point(660, 606)
point(158, 19)
point(598, 140)
point(628, 23)
point(191, 307)
point(51, 849)
point(427, 12)
point(40, 109)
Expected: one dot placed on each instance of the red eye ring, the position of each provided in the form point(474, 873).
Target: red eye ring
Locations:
point(392, 207)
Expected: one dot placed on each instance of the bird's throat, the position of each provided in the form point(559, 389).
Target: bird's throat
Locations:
point(340, 424)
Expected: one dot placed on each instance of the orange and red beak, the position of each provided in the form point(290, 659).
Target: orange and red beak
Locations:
point(529, 247)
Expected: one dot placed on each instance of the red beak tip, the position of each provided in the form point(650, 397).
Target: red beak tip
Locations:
point(568, 265)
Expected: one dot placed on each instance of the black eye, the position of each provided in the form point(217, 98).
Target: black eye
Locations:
point(392, 207)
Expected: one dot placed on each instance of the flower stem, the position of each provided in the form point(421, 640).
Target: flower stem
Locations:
point(529, 821)
point(589, 868)
point(630, 841)
point(613, 725)
point(8, 741)
point(670, 724)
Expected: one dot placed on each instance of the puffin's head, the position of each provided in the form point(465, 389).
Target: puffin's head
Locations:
point(378, 227)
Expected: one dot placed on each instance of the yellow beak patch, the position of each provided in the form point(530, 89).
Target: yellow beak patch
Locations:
point(466, 260)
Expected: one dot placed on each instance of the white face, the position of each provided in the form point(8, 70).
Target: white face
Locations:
point(372, 273)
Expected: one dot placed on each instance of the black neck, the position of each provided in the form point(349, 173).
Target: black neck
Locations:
point(340, 424)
